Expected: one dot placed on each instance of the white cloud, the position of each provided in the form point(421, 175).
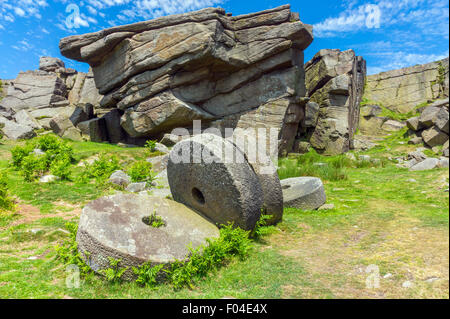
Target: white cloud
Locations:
point(425, 14)
point(45, 30)
point(399, 59)
point(92, 10)
point(22, 46)
point(20, 12)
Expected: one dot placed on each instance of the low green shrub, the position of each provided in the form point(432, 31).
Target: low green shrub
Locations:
point(2, 126)
point(33, 166)
point(115, 272)
point(6, 202)
point(140, 171)
point(68, 252)
point(231, 242)
point(61, 168)
point(151, 145)
point(102, 168)
point(57, 155)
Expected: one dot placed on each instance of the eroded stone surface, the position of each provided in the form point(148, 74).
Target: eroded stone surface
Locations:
point(335, 81)
point(243, 71)
point(402, 89)
point(113, 226)
point(222, 189)
point(303, 192)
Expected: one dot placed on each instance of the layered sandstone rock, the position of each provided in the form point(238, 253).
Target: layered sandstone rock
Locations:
point(402, 89)
point(335, 85)
point(243, 71)
point(432, 126)
point(49, 98)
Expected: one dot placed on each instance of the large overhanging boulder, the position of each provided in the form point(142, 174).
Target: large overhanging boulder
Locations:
point(208, 65)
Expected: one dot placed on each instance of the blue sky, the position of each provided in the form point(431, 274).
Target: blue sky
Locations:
point(388, 34)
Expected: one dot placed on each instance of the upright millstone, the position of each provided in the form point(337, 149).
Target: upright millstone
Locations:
point(255, 149)
point(212, 176)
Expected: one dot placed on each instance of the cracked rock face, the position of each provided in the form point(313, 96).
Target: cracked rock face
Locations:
point(335, 84)
point(402, 90)
point(243, 71)
point(46, 98)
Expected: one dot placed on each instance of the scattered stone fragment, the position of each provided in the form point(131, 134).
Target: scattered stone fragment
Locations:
point(415, 140)
point(303, 192)
point(392, 126)
point(136, 187)
point(413, 123)
point(120, 178)
point(172, 139)
point(417, 155)
point(426, 164)
point(326, 207)
point(159, 163)
point(161, 148)
point(364, 158)
point(48, 179)
point(443, 162)
point(407, 284)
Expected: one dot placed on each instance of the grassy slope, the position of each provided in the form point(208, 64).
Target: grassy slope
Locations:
point(379, 218)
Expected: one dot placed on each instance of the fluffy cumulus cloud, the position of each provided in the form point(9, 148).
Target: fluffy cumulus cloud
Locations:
point(413, 31)
point(10, 10)
point(382, 14)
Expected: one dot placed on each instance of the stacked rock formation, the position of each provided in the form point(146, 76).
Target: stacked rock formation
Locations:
point(402, 90)
point(335, 85)
point(48, 98)
point(243, 71)
point(432, 126)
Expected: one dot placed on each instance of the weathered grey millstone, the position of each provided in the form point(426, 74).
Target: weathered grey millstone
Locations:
point(113, 226)
point(303, 192)
point(212, 176)
point(266, 171)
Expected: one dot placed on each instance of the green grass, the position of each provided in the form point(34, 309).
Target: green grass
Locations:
point(329, 168)
point(379, 218)
point(397, 116)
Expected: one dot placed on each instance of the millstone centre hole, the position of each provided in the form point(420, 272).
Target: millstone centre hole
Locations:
point(154, 221)
point(198, 195)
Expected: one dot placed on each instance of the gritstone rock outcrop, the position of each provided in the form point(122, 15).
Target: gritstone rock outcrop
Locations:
point(335, 85)
point(243, 71)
